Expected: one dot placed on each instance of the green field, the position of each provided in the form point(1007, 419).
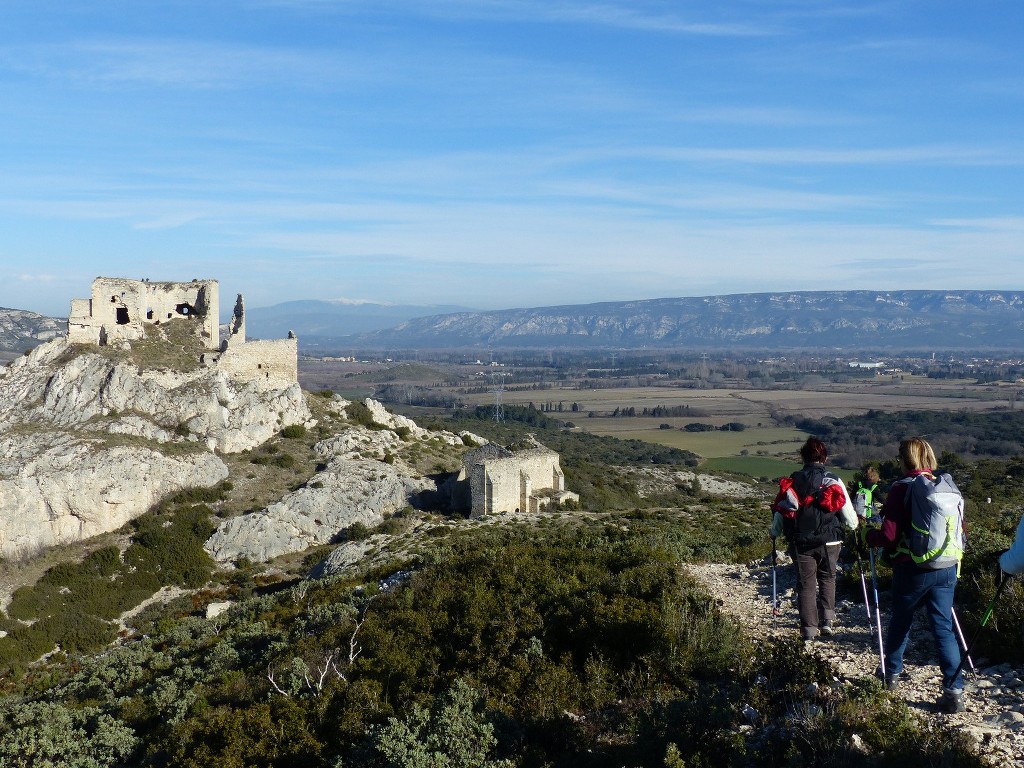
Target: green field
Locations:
point(753, 466)
point(777, 442)
point(763, 466)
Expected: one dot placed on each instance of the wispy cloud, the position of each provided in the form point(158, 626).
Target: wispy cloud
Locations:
point(183, 64)
point(633, 15)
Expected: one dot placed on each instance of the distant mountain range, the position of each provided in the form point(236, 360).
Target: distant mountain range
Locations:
point(855, 320)
point(326, 322)
point(865, 320)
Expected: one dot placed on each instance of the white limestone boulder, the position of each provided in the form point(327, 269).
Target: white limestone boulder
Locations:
point(57, 488)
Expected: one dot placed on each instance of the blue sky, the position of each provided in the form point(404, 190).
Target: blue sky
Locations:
point(510, 153)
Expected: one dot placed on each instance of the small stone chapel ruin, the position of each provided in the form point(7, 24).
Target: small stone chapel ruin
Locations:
point(496, 479)
point(120, 310)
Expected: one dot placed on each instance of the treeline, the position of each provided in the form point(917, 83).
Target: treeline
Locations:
point(875, 435)
point(658, 411)
point(413, 395)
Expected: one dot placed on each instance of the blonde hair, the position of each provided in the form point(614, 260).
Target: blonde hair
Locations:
point(871, 474)
point(916, 453)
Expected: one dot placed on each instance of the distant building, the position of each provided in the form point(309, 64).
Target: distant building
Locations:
point(120, 310)
point(495, 479)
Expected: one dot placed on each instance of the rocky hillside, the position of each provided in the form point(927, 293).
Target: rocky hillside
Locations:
point(93, 438)
point(364, 476)
point(21, 330)
point(879, 320)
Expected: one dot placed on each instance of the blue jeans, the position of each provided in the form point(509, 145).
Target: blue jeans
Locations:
point(913, 587)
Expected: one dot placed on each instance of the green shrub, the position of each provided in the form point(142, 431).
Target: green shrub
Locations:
point(358, 413)
point(358, 531)
point(284, 461)
point(50, 734)
point(294, 431)
point(450, 734)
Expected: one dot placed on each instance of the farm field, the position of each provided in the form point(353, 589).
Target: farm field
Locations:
point(717, 406)
point(780, 442)
point(762, 449)
point(766, 445)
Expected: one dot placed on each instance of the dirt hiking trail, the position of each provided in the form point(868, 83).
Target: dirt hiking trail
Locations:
point(994, 695)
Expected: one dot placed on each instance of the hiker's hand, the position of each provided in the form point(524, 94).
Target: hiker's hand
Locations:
point(862, 538)
point(858, 545)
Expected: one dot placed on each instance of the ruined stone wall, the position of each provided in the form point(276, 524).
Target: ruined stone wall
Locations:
point(119, 307)
point(80, 325)
point(274, 361)
point(510, 484)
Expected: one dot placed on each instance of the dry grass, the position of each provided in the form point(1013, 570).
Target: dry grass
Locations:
point(780, 442)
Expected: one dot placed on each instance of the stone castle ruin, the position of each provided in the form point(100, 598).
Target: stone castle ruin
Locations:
point(496, 479)
point(120, 310)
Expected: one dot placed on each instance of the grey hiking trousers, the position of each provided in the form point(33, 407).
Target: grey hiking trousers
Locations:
point(816, 586)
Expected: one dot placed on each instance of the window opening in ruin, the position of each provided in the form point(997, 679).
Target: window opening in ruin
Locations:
point(122, 316)
point(149, 314)
point(113, 299)
point(184, 309)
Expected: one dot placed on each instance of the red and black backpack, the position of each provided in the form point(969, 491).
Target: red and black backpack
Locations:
point(809, 501)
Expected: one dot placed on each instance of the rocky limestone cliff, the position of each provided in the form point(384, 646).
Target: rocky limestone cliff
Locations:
point(364, 480)
point(91, 439)
point(21, 330)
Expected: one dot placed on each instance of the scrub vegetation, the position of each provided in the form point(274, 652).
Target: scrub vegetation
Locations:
point(571, 639)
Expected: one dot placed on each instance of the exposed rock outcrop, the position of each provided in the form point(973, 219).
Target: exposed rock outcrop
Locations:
point(61, 385)
point(91, 440)
point(349, 491)
point(73, 488)
point(363, 481)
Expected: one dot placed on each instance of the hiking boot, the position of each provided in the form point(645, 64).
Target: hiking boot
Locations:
point(951, 701)
point(828, 629)
point(892, 681)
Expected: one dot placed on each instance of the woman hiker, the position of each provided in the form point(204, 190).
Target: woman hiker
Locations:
point(913, 586)
point(819, 508)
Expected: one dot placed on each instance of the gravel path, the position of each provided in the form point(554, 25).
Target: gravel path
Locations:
point(994, 695)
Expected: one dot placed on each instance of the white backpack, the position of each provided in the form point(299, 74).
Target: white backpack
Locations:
point(936, 537)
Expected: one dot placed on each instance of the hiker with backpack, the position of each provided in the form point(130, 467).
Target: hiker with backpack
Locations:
point(922, 532)
point(864, 496)
point(811, 509)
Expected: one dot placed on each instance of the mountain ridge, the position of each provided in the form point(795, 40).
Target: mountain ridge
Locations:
point(803, 320)
point(781, 320)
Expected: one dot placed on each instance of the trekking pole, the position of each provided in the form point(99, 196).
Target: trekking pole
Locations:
point(963, 643)
point(775, 593)
point(878, 613)
point(864, 587)
point(858, 553)
point(984, 620)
